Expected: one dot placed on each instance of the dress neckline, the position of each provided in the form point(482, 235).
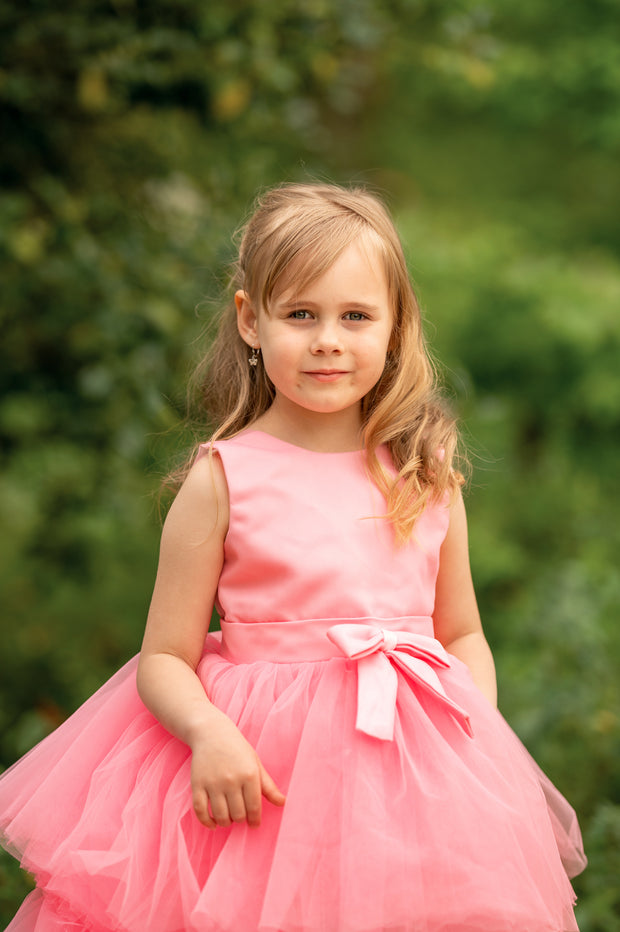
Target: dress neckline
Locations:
point(294, 446)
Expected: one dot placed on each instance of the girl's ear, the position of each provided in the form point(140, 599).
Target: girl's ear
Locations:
point(246, 319)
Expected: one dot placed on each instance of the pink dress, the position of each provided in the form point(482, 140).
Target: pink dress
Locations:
point(411, 805)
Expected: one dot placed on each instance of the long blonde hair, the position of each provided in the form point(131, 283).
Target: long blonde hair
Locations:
point(310, 225)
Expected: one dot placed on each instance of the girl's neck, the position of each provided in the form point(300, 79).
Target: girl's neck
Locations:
point(324, 433)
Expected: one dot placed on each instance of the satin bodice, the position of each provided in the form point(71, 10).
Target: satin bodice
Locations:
point(308, 538)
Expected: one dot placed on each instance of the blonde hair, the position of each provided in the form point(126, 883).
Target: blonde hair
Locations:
point(310, 225)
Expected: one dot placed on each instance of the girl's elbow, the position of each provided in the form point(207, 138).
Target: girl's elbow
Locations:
point(147, 673)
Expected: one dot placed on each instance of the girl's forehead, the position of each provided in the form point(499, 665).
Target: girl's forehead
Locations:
point(311, 264)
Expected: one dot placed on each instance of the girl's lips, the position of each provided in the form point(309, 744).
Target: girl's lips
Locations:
point(326, 375)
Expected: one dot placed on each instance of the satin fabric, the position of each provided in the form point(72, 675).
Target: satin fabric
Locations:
point(411, 805)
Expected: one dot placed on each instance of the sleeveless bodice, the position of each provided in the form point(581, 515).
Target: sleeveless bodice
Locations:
point(410, 804)
point(308, 538)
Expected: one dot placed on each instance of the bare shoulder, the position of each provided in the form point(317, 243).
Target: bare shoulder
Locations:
point(201, 507)
point(456, 611)
point(454, 570)
point(457, 527)
point(190, 561)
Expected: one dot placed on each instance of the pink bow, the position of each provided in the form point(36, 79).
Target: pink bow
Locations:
point(378, 652)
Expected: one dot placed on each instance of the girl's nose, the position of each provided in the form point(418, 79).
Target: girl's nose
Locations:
point(327, 339)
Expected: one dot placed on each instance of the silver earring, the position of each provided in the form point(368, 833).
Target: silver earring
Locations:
point(253, 359)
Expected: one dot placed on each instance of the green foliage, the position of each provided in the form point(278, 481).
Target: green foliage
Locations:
point(14, 885)
point(134, 136)
point(601, 907)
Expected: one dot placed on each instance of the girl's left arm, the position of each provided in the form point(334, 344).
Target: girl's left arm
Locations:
point(456, 617)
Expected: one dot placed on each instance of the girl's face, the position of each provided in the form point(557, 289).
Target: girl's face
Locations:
point(325, 347)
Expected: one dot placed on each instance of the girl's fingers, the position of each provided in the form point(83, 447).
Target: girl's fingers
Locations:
point(270, 790)
point(253, 801)
point(220, 814)
point(237, 806)
point(201, 808)
point(222, 807)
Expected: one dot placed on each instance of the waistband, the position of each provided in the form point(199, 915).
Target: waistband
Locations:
point(384, 650)
point(306, 639)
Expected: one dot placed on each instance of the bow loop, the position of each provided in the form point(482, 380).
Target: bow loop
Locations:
point(379, 653)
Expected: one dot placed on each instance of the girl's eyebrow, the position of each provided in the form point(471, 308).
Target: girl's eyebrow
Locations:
point(349, 305)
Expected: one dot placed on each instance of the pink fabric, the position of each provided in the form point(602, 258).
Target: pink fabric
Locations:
point(379, 647)
point(380, 652)
point(310, 638)
point(430, 817)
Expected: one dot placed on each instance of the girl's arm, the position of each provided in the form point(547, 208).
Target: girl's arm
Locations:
point(227, 776)
point(456, 617)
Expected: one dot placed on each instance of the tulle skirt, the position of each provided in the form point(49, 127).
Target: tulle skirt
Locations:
point(431, 831)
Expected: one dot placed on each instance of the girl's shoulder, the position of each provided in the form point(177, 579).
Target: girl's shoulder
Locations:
point(202, 501)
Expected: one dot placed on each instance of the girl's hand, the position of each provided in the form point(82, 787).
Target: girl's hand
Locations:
point(228, 779)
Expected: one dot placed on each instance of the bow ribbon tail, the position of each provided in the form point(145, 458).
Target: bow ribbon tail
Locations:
point(377, 684)
point(426, 677)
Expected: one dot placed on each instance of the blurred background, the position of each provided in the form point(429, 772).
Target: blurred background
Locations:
point(134, 137)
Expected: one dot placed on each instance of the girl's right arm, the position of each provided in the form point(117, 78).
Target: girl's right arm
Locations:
point(228, 778)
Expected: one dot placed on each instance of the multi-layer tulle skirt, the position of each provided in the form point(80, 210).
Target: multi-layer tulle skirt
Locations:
point(431, 830)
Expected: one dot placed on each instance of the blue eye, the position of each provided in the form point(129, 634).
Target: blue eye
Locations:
point(299, 315)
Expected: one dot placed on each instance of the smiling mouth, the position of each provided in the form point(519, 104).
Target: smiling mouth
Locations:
point(326, 375)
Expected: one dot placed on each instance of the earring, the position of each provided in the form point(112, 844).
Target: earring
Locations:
point(253, 359)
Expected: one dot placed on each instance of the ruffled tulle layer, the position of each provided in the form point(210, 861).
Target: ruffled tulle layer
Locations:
point(431, 832)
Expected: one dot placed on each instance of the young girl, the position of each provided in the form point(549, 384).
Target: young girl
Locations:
point(333, 761)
